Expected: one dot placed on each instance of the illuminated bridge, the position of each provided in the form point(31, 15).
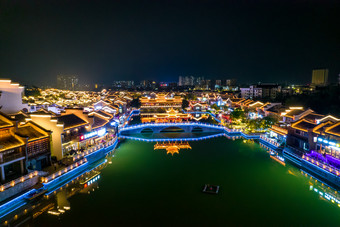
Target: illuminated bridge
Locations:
point(171, 127)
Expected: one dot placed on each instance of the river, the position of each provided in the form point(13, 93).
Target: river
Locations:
point(141, 186)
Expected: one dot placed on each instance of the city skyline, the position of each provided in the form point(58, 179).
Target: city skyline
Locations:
point(109, 41)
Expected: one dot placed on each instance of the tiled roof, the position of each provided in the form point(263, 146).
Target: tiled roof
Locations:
point(294, 112)
point(71, 121)
point(303, 125)
point(98, 122)
point(10, 141)
point(5, 121)
point(313, 116)
point(30, 132)
point(335, 129)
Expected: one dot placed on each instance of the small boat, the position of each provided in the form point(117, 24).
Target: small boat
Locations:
point(36, 194)
point(211, 189)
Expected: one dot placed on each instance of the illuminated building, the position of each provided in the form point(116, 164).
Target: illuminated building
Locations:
point(295, 113)
point(67, 82)
point(12, 148)
point(161, 101)
point(198, 106)
point(171, 115)
point(37, 145)
point(320, 77)
point(261, 91)
point(11, 97)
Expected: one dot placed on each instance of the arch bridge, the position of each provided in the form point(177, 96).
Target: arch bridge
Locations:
point(171, 127)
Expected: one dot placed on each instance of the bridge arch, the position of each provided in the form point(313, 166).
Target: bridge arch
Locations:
point(146, 130)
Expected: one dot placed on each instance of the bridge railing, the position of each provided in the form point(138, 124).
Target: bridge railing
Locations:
point(171, 124)
point(173, 139)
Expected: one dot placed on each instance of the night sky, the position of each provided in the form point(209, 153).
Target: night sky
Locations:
point(102, 41)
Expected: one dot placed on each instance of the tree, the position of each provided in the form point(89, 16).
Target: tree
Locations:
point(190, 96)
point(185, 104)
point(135, 103)
point(237, 114)
point(214, 106)
point(268, 121)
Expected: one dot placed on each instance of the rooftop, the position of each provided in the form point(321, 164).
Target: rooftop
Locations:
point(71, 121)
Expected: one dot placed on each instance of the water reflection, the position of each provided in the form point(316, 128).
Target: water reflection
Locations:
point(323, 190)
point(56, 203)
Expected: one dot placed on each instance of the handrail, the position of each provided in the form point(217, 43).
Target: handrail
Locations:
point(325, 166)
point(18, 180)
point(81, 161)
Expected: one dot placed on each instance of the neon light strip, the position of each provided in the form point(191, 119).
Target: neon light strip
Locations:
point(170, 124)
point(65, 174)
point(49, 193)
point(19, 197)
point(174, 139)
point(13, 210)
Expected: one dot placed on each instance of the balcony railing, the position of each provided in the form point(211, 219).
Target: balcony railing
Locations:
point(11, 157)
point(325, 166)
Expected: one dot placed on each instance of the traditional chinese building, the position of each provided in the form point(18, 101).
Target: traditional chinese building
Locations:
point(38, 150)
point(161, 101)
point(171, 115)
point(12, 150)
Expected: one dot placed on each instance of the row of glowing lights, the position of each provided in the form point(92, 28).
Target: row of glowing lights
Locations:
point(167, 124)
point(22, 179)
point(66, 208)
point(326, 195)
point(87, 152)
point(323, 165)
point(328, 142)
point(46, 179)
point(269, 140)
point(175, 139)
point(61, 211)
point(180, 139)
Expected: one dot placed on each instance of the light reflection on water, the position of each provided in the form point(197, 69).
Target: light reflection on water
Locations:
point(58, 203)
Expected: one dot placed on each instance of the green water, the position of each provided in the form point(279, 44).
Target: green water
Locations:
point(144, 187)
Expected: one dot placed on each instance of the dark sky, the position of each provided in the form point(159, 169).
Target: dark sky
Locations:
point(102, 41)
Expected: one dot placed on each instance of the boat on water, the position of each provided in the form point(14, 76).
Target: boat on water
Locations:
point(36, 194)
point(211, 189)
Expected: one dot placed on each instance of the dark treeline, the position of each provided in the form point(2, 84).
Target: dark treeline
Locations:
point(324, 101)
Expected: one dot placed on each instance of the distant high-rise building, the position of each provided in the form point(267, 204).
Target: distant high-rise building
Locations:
point(123, 84)
point(231, 82)
point(189, 80)
point(218, 83)
point(261, 91)
point(146, 84)
point(320, 77)
point(67, 82)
